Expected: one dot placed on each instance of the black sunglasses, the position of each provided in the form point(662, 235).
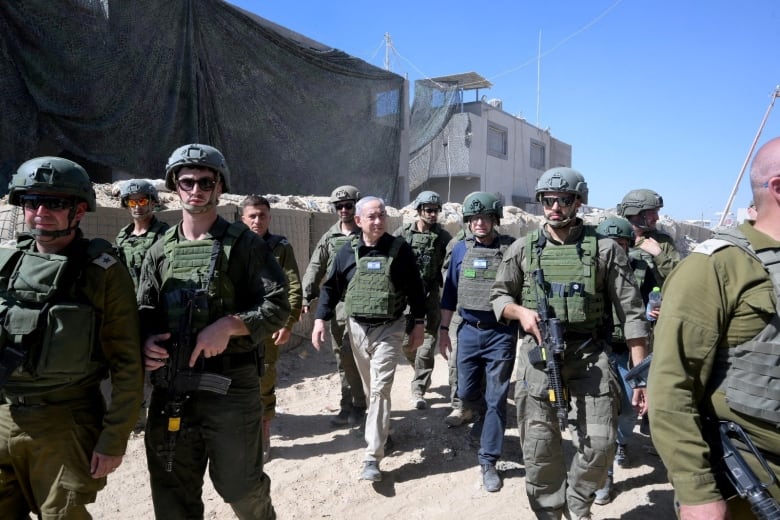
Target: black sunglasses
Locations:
point(204, 183)
point(48, 202)
point(563, 202)
point(431, 210)
point(344, 205)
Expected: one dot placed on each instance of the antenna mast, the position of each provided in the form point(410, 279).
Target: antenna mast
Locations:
point(388, 46)
point(727, 209)
point(538, 77)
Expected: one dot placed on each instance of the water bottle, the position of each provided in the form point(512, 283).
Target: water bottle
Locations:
point(653, 302)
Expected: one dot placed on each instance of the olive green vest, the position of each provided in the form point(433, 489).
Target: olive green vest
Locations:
point(478, 272)
point(133, 248)
point(195, 265)
point(570, 273)
point(424, 247)
point(752, 369)
point(371, 292)
point(46, 318)
point(336, 242)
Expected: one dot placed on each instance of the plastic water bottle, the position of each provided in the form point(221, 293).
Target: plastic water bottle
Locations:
point(653, 302)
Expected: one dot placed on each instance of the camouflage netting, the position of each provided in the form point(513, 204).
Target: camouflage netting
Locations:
point(117, 85)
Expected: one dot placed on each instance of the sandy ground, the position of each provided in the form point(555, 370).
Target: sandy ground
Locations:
point(431, 474)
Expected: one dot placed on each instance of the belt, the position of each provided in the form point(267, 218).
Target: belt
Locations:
point(484, 325)
point(219, 364)
point(57, 397)
point(373, 322)
point(579, 336)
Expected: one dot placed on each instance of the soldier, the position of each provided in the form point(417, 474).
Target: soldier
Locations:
point(376, 274)
point(353, 399)
point(619, 230)
point(654, 249)
point(486, 348)
point(210, 291)
point(429, 243)
point(719, 356)
point(133, 241)
point(69, 320)
point(256, 214)
point(585, 276)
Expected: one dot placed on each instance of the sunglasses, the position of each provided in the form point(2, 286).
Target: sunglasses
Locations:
point(431, 210)
point(204, 183)
point(131, 203)
point(50, 203)
point(563, 202)
point(345, 205)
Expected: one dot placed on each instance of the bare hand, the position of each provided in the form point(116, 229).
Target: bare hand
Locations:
point(318, 334)
point(212, 341)
point(101, 465)
point(281, 336)
point(639, 400)
point(416, 337)
point(445, 344)
point(304, 310)
point(649, 245)
point(711, 511)
point(155, 355)
point(529, 320)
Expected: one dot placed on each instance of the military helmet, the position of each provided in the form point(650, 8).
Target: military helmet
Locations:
point(616, 227)
point(636, 201)
point(482, 203)
point(198, 155)
point(343, 193)
point(52, 175)
point(427, 197)
point(134, 186)
point(563, 180)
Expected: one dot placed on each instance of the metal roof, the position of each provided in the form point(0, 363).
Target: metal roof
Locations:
point(465, 81)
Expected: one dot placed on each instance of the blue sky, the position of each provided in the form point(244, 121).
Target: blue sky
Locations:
point(658, 94)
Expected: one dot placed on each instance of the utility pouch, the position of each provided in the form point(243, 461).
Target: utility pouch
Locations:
point(537, 355)
point(36, 277)
point(68, 339)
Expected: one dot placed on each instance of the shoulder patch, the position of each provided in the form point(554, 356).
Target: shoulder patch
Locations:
point(711, 245)
point(105, 260)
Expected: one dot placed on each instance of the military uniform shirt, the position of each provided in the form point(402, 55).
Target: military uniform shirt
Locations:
point(284, 254)
point(318, 264)
point(710, 302)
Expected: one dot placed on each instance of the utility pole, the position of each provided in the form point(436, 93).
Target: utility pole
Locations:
point(724, 215)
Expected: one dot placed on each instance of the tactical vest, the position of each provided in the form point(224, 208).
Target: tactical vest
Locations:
point(336, 242)
point(752, 378)
point(275, 240)
point(199, 265)
point(478, 272)
point(643, 263)
point(48, 324)
point(371, 292)
point(570, 273)
point(424, 247)
point(133, 248)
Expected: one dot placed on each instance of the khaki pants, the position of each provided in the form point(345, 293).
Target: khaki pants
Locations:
point(376, 350)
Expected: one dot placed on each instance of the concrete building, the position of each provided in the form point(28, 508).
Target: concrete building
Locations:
point(476, 145)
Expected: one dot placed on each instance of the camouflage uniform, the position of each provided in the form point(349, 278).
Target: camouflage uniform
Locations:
point(430, 264)
point(352, 394)
point(585, 373)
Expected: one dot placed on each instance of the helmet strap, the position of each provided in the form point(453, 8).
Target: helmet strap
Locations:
point(59, 232)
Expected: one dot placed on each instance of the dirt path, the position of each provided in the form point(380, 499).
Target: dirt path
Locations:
point(432, 473)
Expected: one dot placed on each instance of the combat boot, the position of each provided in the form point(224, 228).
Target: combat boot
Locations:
point(459, 416)
point(605, 494)
point(490, 478)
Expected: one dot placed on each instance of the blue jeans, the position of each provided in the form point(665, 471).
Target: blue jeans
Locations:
point(627, 417)
point(489, 355)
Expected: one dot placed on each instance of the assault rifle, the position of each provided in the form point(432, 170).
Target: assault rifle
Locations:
point(176, 376)
point(550, 352)
point(637, 376)
point(745, 482)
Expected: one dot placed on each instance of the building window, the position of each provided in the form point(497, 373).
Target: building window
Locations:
point(497, 141)
point(537, 155)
